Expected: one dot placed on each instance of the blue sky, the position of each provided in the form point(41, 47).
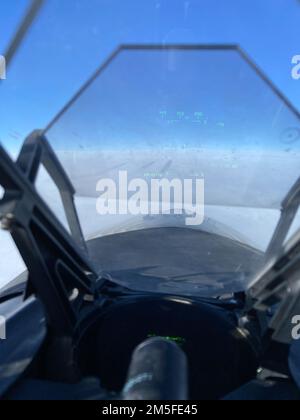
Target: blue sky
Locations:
point(72, 37)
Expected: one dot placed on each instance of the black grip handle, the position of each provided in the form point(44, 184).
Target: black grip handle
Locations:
point(158, 371)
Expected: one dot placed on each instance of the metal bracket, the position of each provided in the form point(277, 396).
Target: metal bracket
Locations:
point(289, 208)
point(60, 273)
point(279, 284)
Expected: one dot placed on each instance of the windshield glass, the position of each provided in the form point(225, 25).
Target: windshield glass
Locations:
point(189, 114)
point(180, 154)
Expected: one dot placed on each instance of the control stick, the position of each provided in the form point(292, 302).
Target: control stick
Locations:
point(158, 371)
